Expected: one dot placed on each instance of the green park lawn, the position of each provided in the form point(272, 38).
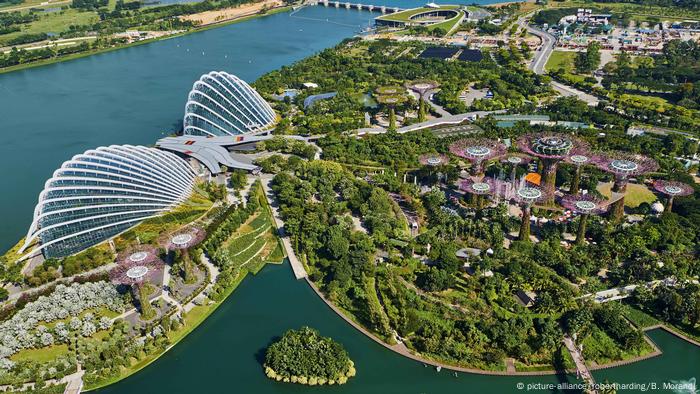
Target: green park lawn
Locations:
point(561, 59)
point(53, 22)
point(44, 354)
point(635, 196)
point(564, 60)
point(447, 25)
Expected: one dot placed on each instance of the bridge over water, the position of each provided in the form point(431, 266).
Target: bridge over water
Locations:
point(358, 6)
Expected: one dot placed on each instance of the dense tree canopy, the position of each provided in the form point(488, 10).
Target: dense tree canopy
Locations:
point(304, 356)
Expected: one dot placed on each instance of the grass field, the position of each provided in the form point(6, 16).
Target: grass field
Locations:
point(561, 59)
point(564, 60)
point(635, 196)
point(44, 354)
point(53, 22)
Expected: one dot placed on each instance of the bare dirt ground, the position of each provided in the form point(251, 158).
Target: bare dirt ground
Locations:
point(226, 14)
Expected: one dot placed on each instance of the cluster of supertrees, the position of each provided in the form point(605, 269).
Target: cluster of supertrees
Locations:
point(183, 240)
point(136, 268)
point(551, 149)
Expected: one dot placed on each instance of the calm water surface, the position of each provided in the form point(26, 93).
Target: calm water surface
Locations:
point(136, 95)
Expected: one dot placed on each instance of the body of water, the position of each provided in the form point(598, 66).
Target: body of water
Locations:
point(135, 96)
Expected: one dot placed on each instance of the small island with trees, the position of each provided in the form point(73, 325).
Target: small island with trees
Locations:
point(304, 356)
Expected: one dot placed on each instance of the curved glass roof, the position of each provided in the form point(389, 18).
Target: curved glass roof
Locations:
point(221, 104)
point(101, 193)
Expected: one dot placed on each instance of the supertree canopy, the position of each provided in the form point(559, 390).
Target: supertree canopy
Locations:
point(136, 274)
point(585, 205)
point(433, 159)
point(478, 151)
point(478, 189)
point(138, 254)
point(551, 148)
point(672, 189)
point(482, 187)
point(183, 238)
point(623, 165)
point(422, 86)
point(390, 90)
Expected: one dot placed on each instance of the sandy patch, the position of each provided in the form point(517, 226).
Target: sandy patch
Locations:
point(209, 17)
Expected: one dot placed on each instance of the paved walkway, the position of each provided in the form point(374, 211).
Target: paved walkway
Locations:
point(297, 266)
point(446, 120)
point(581, 368)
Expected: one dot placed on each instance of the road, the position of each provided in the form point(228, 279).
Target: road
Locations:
point(545, 51)
point(40, 5)
point(541, 57)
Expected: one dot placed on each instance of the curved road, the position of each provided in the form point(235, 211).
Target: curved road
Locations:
point(541, 57)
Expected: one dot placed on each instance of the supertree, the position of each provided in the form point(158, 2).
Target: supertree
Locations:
point(623, 165)
point(525, 196)
point(585, 205)
point(432, 161)
point(183, 240)
point(551, 148)
point(137, 274)
point(515, 160)
point(422, 87)
point(391, 96)
point(478, 151)
point(578, 161)
point(479, 189)
point(672, 189)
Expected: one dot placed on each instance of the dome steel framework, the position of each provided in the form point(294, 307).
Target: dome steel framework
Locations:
point(103, 192)
point(221, 104)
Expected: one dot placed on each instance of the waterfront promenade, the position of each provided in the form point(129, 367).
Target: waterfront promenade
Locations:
point(297, 266)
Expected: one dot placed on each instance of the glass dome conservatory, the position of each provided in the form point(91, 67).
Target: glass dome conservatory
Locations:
point(103, 192)
point(221, 104)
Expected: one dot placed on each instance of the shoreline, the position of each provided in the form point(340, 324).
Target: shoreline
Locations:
point(402, 350)
point(184, 335)
point(199, 29)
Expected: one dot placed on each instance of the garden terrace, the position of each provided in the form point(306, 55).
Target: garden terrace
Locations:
point(420, 16)
point(254, 243)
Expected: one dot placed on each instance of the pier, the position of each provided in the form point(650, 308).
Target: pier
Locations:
point(357, 6)
point(581, 368)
